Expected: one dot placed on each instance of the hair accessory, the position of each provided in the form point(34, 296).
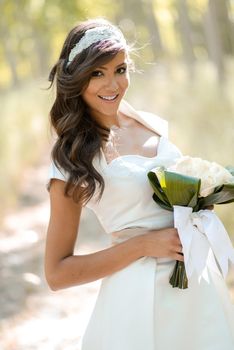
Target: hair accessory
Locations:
point(94, 35)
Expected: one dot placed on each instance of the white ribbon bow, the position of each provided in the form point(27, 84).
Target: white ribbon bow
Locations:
point(205, 242)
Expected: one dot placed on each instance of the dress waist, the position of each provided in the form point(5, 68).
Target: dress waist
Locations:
point(123, 235)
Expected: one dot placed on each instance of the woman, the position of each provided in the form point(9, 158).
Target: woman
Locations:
point(101, 158)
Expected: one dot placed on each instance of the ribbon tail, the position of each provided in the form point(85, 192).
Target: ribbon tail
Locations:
point(195, 245)
point(205, 242)
point(219, 241)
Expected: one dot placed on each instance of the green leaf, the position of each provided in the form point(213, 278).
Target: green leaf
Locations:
point(174, 189)
point(180, 189)
point(162, 204)
point(193, 201)
point(157, 188)
point(226, 195)
point(228, 186)
point(218, 188)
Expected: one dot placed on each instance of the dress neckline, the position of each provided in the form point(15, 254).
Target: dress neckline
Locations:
point(120, 157)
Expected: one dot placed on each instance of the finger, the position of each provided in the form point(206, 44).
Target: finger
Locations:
point(178, 248)
point(179, 257)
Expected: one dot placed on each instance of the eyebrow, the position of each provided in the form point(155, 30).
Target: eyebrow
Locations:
point(119, 65)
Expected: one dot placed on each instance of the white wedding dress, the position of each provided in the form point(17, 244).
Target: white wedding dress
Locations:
point(137, 308)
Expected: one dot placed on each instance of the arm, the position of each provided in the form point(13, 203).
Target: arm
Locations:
point(64, 269)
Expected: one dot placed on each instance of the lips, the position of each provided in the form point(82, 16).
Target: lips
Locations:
point(109, 98)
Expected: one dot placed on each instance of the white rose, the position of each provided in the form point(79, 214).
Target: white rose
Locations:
point(210, 173)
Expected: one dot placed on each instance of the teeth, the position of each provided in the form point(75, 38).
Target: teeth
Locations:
point(109, 98)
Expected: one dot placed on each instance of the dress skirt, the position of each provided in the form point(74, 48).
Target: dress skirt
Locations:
point(137, 309)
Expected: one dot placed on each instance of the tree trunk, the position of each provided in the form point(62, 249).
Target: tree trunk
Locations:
point(225, 26)
point(185, 30)
point(231, 25)
point(153, 28)
point(213, 35)
point(42, 52)
point(141, 12)
point(12, 64)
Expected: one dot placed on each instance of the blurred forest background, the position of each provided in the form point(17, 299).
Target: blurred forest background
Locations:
point(185, 69)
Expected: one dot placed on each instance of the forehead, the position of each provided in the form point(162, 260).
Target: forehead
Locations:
point(120, 57)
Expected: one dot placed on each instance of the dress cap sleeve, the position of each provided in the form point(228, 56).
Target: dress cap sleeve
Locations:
point(55, 173)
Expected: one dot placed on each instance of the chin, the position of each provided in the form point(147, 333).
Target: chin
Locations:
point(110, 108)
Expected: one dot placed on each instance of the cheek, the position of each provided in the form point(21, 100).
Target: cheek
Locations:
point(90, 92)
point(126, 82)
point(92, 87)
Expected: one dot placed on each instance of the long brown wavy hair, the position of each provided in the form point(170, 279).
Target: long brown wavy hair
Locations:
point(79, 137)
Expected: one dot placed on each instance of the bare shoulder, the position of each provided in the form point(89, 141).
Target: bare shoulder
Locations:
point(138, 126)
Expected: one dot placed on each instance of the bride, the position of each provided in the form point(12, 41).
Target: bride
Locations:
point(101, 157)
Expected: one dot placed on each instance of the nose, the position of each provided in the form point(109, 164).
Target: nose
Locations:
point(112, 84)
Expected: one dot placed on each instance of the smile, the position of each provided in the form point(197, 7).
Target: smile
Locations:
point(109, 98)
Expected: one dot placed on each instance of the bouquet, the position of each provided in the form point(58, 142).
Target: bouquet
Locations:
point(187, 188)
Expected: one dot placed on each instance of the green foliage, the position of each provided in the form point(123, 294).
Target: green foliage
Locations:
point(32, 32)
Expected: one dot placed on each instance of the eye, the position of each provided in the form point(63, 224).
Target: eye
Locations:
point(96, 73)
point(122, 70)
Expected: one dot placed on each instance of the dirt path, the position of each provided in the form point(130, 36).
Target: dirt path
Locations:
point(31, 316)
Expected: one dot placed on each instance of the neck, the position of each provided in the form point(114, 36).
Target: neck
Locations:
point(107, 122)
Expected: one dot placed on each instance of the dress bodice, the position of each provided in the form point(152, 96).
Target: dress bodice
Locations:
point(127, 198)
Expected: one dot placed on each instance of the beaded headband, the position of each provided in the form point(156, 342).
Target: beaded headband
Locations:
point(94, 35)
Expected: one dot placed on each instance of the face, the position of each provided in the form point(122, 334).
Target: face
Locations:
point(106, 89)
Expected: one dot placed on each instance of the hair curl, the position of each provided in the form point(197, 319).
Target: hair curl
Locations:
point(79, 137)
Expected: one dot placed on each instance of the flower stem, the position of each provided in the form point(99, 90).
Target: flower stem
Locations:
point(179, 278)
